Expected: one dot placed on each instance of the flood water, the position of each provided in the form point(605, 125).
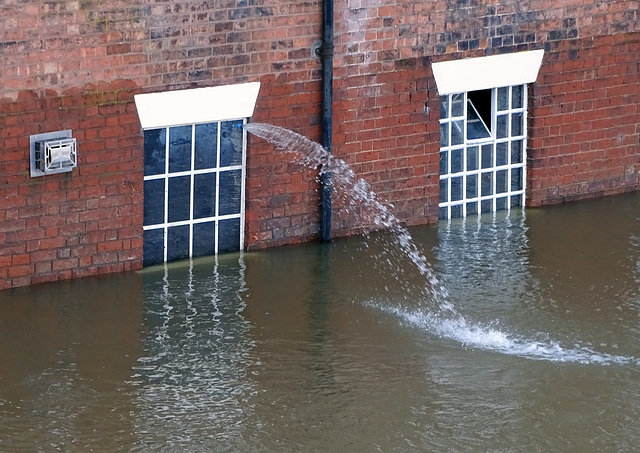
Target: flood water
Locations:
point(333, 347)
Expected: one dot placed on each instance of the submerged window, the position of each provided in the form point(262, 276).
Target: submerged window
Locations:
point(193, 190)
point(482, 151)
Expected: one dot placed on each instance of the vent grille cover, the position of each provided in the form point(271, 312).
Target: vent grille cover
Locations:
point(53, 152)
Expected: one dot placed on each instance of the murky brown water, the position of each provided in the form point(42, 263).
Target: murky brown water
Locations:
point(331, 347)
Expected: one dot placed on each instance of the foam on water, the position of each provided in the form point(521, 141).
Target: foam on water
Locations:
point(440, 317)
point(489, 338)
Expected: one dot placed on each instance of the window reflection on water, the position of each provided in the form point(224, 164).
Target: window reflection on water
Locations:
point(193, 379)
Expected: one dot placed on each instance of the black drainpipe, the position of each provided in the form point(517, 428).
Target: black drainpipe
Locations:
point(326, 52)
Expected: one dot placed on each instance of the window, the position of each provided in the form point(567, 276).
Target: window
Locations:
point(482, 151)
point(193, 190)
point(194, 170)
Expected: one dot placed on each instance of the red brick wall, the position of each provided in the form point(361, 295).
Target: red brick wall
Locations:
point(77, 65)
point(71, 224)
point(585, 120)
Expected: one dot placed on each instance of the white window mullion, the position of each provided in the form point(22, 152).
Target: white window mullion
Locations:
point(525, 99)
point(191, 189)
point(166, 192)
point(242, 187)
point(217, 210)
point(509, 170)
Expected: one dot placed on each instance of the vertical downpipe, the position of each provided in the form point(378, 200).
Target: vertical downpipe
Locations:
point(327, 113)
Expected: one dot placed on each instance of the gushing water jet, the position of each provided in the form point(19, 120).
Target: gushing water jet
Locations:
point(443, 318)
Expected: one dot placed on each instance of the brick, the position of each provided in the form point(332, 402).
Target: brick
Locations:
point(20, 271)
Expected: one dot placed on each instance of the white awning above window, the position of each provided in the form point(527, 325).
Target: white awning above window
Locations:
point(199, 105)
point(472, 74)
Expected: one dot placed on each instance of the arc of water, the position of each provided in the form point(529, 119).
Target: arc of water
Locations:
point(445, 321)
point(313, 155)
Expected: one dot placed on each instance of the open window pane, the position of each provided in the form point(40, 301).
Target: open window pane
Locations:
point(476, 129)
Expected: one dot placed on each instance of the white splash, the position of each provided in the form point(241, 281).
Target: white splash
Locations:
point(492, 339)
point(442, 319)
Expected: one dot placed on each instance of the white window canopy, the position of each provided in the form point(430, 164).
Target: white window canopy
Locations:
point(199, 105)
point(472, 74)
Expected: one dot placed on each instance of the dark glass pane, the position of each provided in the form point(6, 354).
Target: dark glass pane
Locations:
point(503, 98)
point(456, 211)
point(204, 238)
point(231, 143)
point(443, 163)
point(516, 124)
point(153, 247)
point(229, 235)
point(472, 158)
point(230, 191)
point(501, 181)
point(501, 203)
point(502, 126)
point(444, 134)
point(472, 208)
point(516, 179)
point(502, 149)
point(444, 107)
point(486, 206)
point(456, 188)
point(153, 202)
point(487, 156)
point(177, 242)
point(517, 97)
point(456, 160)
point(457, 137)
point(155, 150)
point(472, 186)
point(516, 152)
point(443, 213)
point(457, 106)
point(179, 198)
point(179, 149)
point(204, 195)
point(444, 194)
point(486, 184)
point(206, 146)
point(516, 200)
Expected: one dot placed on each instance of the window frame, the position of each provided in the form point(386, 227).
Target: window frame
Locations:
point(494, 181)
point(166, 175)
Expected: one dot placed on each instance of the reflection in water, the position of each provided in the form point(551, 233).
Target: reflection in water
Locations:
point(193, 378)
point(280, 350)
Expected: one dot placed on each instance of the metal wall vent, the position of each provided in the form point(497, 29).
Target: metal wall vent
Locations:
point(53, 152)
